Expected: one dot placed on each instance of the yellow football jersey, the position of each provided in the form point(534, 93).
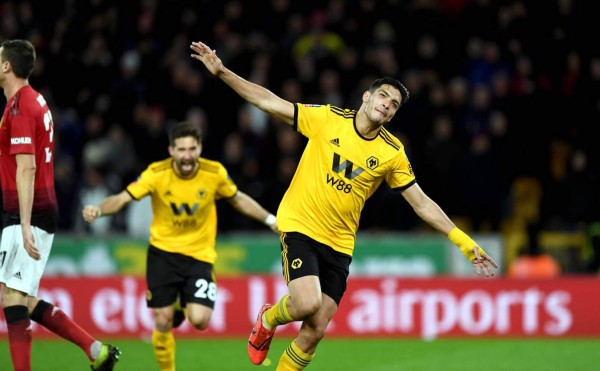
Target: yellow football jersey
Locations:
point(185, 214)
point(339, 170)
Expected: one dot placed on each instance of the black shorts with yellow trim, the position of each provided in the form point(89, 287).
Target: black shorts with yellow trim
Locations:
point(302, 256)
point(169, 275)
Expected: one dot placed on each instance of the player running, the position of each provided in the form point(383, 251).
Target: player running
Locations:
point(348, 155)
point(183, 189)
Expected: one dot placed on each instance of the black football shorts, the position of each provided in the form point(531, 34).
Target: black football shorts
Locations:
point(302, 256)
point(170, 274)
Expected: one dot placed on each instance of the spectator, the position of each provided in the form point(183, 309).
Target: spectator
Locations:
point(129, 68)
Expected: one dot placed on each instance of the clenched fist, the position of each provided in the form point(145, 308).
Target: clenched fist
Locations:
point(91, 213)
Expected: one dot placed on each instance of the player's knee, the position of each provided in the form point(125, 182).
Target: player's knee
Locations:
point(163, 325)
point(200, 325)
point(162, 321)
point(307, 307)
point(199, 321)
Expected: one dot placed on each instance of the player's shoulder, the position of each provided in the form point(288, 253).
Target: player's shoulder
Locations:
point(28, 99)
point(342, 112)
point(28, 91)
point(210, 166)
point(328, 108)
point(329, 113)
point(390, 139)
point(161, 166)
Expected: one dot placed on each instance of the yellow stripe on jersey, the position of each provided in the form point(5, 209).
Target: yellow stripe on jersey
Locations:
point(184, 211)
point(339, 170)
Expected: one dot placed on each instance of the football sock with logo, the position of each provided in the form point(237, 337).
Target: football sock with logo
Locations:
point(19, 336)
point(164, 349)
point(293, 359)
point(278, 314)
point(55, 320)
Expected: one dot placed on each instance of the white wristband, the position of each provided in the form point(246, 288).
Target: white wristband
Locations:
point(270, 220)
point(99, 213)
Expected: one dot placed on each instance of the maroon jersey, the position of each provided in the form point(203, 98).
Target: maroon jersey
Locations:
point(27, 128)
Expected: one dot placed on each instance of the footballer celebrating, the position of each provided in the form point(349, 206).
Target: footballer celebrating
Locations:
point(348, 155)
point(183, 189)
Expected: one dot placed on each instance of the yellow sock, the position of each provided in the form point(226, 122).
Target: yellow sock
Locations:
point(163, 344)
point(293, 359)
point(278, 314)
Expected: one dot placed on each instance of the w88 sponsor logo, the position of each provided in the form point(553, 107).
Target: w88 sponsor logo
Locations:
point(339, 184)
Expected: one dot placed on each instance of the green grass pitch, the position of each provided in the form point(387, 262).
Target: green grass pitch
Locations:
point(371, 354)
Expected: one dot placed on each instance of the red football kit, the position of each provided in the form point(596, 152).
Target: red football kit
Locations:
point(27, 128)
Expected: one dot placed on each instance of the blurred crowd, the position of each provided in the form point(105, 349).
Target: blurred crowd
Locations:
point(502, 92)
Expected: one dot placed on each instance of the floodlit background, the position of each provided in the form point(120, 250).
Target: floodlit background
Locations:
point(504, 98)
point(500, 130)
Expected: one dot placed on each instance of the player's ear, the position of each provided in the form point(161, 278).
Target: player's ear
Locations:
point(170, 151)
point(365, 97)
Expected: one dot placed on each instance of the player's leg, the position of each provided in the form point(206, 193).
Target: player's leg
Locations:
point(199, 315)
point(333, 275)
point(20, 275)
point(199, 292)
point(163, 340)
point(163, 281)
point(301, 270)
point(302, 349)
point(303, 301)
point(57, 321)
point(102, 356)
point(277, 314)
point(14, 304)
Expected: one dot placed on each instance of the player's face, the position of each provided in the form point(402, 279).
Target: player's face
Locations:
point(185, 153)
point(382, 104)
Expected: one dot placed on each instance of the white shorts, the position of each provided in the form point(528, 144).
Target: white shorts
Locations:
point(18, 270)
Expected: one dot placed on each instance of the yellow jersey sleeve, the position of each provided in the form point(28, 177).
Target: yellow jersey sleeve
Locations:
point(401, 174)
point(227, 188)
point(310, 118)
point(145, 184)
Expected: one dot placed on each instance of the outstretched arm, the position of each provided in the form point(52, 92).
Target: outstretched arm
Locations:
point(431, 213)
point(110, 205)
point(261, 97)
point(249, 207)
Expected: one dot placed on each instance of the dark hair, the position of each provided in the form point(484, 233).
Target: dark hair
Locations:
point(393, 82)
point(184, 129)
point(21, 56)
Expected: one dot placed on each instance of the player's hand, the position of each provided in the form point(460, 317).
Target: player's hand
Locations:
point(29, 242)
point(91, 213)
point(207, 56)
point(483, 263)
